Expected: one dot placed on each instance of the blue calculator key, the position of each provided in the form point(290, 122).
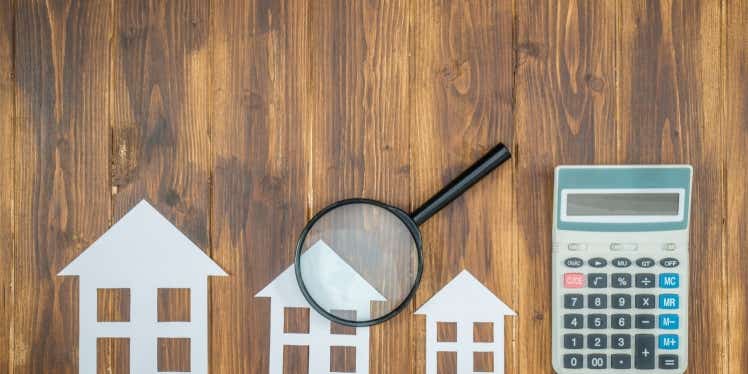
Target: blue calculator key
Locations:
point(669, 301)
point(668, 341)
point(669, 280)
point(669, 321)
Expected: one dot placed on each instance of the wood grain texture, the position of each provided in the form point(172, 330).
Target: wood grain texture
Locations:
point(7, 159)
point(61, 172)
point(670, 100)
point(735, 142)
point(113, 356)
point(565, 114)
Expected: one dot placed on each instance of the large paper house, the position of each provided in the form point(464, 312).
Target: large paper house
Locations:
point(464, 326)
point(144, 257)
point(294, 324)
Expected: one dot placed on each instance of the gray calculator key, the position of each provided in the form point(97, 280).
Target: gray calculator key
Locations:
point(669, 262)
point(621, 262)
point(645, 280)
point(645, 262)
point(573, 321)
point(597, 361)
point(597, 262)
point(620, 301)
point(620, 361)
point(574, 301)
point(645, 321)
point(573, 362)
point(644, 301)
point(644, 351)
point(597, 341)
point(573, 341)
point(620, 341)
point(597, 321)
point(597, 301)
point(621, 280)
point(668, 361)
point(597, 280)
point(574, 262)
point(620, 321)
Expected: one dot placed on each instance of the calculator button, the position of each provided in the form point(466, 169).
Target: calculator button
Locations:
point(621, 280)
point(644, 348)
point(573, 321)
point(669, 301)
point(669, 280)
point(597, 280)
point(669, 341)
point(670, 246)
point(573, 341)
point(597, 262)
point(645, 321)
point(573, 280)
point(597, 301)
point(669, 321)
point(573, 362)
point(620, 301)
point(620, 341)
point(619, 361)
point(573, 301)
point(621, 262)
point(597, 321)
point(669, 262)
point(644, 301)
point(597, 341)
point(624, 246)
point(645, 280)
point(668, 361)
point(577, 247)
point(574, 262)
point(645, 262)
point(620, 321)
point(597, 361)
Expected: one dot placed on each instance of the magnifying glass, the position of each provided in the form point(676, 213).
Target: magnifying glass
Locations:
point(358, 261)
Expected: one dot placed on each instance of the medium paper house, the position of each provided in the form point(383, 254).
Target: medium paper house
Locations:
point(295, 325)
point(464, 328)
point(145, 262)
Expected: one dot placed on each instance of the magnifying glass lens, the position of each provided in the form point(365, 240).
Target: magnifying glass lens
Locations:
point(359, 262)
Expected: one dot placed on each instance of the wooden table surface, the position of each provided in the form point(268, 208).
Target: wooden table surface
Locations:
point(240, 119)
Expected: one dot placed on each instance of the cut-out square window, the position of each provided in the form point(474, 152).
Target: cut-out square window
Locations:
point(446, 331)
point(113, 356)
point(113, 305)
point(343, 359)
point(483, 362)
point(296, 320)
point(295, 359)
point(173, 354)
point(338, 329)
point(483, 332)
point(446, 362)
point(173, 304)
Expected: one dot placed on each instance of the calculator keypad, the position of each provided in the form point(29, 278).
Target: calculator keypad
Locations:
point(621, 313)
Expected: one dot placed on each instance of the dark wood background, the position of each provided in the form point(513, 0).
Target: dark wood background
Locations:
point(240, 119)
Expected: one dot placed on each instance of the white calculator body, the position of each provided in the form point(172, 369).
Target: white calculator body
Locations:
point(620, 268)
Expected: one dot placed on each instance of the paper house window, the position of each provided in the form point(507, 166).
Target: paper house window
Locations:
point(483, 332)
point(338, 329)
point(113, 355)
point(296, 320)
point(446, 362)
point(174, 355)
point(173, 305)
point(342, 359)
point(446, 332)
point(113, 305)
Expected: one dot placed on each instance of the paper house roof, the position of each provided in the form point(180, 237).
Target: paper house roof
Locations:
point(285, 289)
point(465, 297)
point(143, 244)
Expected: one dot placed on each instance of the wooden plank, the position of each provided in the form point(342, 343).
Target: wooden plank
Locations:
point(735, 140)
point(565, 114)
point(461, 106)
point(7, 159)
point(670, 112)
point(260, 114)
point(360, 138)
point(62, 194)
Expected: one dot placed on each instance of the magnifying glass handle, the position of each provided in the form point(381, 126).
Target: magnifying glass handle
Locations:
point(495, 157)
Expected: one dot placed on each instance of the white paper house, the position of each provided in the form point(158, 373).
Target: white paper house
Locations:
point(321, 339)
point(143, 252)
point(462, 303)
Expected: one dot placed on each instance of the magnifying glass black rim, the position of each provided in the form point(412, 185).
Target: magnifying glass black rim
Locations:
point(415, 233)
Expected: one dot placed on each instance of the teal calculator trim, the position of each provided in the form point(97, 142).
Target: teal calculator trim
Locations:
point(624, 177)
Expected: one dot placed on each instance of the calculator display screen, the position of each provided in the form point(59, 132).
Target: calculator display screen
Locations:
point(622, 204)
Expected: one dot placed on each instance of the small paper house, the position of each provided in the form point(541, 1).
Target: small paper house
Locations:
point(325, 341)
point(144, 257)
point(464, 322)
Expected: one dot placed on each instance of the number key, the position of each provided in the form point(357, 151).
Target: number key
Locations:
point(621, 341)
point(597, 361)
point(621, 301)
point(620, 321)
point(573, 361)
point(573, 341)
point(597, 341)
point(597, 321)
point(573, 321)
point(573, 301)
point(597, 301)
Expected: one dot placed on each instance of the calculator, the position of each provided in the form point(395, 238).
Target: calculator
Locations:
point(620, 268)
